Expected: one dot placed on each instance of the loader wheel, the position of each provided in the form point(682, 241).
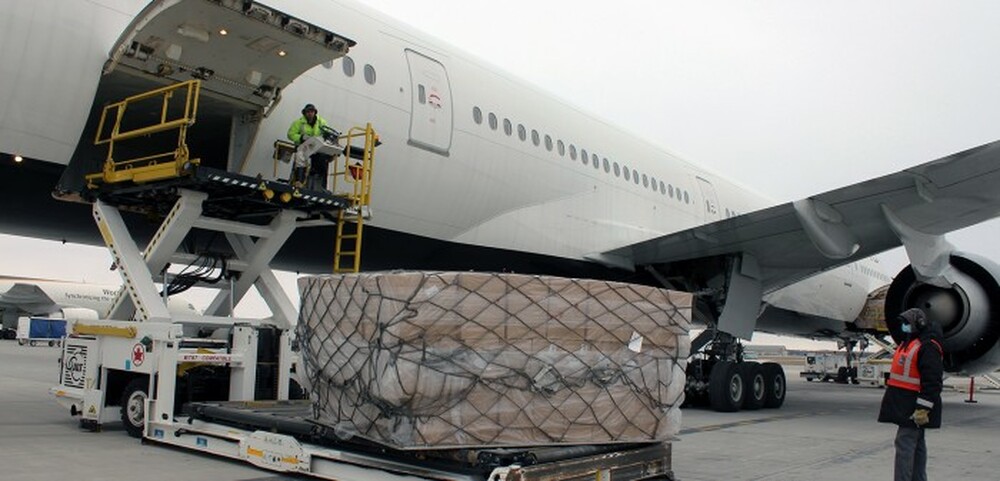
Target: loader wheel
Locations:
point(755, 384)
point(726, 389)
point(774, 379)
point(133, 405)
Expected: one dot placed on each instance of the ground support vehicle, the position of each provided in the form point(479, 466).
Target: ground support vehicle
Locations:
point(35, 331)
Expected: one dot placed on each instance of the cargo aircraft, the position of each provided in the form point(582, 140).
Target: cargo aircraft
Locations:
point(479, 170)
point(56, 299)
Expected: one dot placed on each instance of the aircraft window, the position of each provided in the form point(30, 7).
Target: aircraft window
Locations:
point(521, 132)
point(635, 177)
point(562, 147)
point(349, 66)
point(508, 128)
point(727, 213)
point(369, 74)
point(595, 161)
point(618, 170)
point(663, 188)
point(548, 143)
point(628, 173)
point(687, 200)
point(583, 156)
point(493, 121)
point(607, 165)
point(645, 180)
point(652, 182)
point(477, 115)
point(422, 94)
point(534, 137)
point(670, 190)
point(572, 151)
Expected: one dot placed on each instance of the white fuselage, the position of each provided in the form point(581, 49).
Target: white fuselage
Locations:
point(453, 164)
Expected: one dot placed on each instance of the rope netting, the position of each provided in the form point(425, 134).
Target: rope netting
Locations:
point(459, 359)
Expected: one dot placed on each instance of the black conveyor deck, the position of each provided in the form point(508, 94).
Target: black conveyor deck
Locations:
point(231, 196)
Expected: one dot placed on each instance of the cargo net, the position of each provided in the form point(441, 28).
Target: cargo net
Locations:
point(447, 360)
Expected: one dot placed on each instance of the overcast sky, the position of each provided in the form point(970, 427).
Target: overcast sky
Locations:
point(789, 98)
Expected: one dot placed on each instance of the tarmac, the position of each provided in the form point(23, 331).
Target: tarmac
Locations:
point(824, 432)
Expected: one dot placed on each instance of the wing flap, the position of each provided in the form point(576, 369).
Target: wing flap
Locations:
point(936, 197)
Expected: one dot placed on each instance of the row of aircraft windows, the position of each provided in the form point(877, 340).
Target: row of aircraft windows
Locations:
point(348, 64)
point(587, 158)
point(872, 273)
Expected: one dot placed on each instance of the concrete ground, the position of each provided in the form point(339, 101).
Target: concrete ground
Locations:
point(824, 432)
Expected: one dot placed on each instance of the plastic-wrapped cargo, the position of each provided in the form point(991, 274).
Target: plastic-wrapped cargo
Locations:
point(425, 360)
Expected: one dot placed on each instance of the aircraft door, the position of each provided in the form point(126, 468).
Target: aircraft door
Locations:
point(431, 110)
point(709, 200)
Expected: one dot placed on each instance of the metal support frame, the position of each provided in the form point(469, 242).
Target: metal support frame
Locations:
point(258, 272)
point(179, 221)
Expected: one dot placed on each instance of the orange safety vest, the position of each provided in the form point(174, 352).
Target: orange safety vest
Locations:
point(904, 373)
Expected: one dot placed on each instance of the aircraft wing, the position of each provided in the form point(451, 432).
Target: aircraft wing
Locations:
point(28, 297)
point(795, 240)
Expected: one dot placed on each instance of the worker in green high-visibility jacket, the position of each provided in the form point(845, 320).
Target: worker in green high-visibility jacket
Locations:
point(310, 124)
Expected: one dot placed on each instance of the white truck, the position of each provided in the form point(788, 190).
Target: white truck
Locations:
point(829, 367)
point(874, 370)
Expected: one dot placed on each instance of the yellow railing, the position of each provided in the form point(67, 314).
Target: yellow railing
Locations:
point(353, 179)
point(149, 167)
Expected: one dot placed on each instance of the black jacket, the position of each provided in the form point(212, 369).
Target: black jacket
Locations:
point(898, 404)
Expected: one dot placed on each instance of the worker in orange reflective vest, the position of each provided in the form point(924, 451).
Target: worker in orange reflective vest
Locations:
point(912, 397)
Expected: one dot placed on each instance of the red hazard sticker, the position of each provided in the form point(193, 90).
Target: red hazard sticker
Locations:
point(138, 354)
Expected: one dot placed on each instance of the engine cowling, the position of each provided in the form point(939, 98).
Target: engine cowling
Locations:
point(968, 312)
point(73, 314)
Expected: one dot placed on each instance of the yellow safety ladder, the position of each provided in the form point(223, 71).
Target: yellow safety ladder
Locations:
point(355, 182)
point(157, 166)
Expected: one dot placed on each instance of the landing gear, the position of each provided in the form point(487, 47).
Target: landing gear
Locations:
point(721, 379)
point(774, 381)
point(755, 386)
point(726, 388)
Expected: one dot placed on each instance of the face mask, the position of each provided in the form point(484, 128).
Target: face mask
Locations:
point(907, 328)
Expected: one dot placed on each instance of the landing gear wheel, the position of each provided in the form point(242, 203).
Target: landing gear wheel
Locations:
point(726, 389)
point(755, 386)
point(133, 405)
point(774, 379)
point(32, 343)
point(842, 375)
point(21, 342)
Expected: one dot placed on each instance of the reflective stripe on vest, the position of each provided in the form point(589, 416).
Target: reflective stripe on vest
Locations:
point(904, 373)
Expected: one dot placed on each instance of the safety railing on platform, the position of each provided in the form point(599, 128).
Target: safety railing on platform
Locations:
point(353, 179)
point(155, 166)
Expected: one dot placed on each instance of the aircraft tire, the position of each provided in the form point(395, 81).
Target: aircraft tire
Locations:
point(774, 378)
point(726, 389)
point(755, 385)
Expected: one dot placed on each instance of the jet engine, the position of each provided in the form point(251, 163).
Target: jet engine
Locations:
point(73, 314)
point(968, 312)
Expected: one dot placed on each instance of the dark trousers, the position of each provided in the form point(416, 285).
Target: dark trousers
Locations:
point(911, 454)
point(319, 169)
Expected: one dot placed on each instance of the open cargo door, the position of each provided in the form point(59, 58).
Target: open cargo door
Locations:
point(244, 52)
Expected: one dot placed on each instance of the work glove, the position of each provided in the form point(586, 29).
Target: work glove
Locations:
point(921, 417)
